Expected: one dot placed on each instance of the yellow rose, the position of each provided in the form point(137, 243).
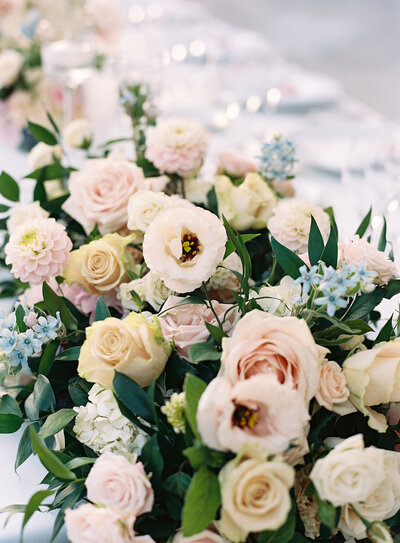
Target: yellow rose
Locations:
point(100, 265)
point(248, 205)
point(134, 347)
point(373, 378)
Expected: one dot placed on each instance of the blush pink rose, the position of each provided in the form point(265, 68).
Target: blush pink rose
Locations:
point(266, 344)
point(234, 165)
point(210, 535)
point(259, 411)
point(116, 482)
point(185, 324)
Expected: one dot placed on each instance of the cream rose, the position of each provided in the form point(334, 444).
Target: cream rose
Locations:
point(357, 250)
point(255, 496)
point(349, 473)
point(280, 299)
point(373, 378)
point(234, 165)
point(10, 67)
point(78, 134)
point(116, 482)
point(184, 246)
point(283, 346)
point(150, 289)
point(20, 213)
point(100, 266)
point(133, 346)
point(206, 536)
point(248, 205)
point(42, 155)
point(332, 390)
point(257, 411)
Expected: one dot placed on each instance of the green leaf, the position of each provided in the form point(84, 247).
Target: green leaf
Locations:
point(42, 134)
point(230, 246)
point(79, 390)
point(194, 388)
point(52, 122)
point(48, 173)
point(47, 360)
point(331, 213)
point(216, 332)
point(56, 422)
point(19, 318)
point(54, 304)
point(284, 534)
point(9, 188)
point(392, 288)
point(50, 460)
point(202, 501)
point(24, 449)
point(76, 463)
point(328, 514)
point(386, 333)
point(132, 396)
point(177, 484)
point(3, 208)
point(69, 354)
point(43, 395)
point(102, 312)
point(132, 275)
point(364, 223)
point(136, 299)
point(365, 303)
point(152, 459)
point(330, 252)
point(33, 506)
point(382, 237)
point(10, 415)
point(203, 456)
point(201, 352)
point(288, 260)
point(315, 243)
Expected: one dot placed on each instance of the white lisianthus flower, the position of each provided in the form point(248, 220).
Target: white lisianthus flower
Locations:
point(101, 426)
point(280, 299)
point(20, 213)
point(291, 223)
point(78, 134)
point(10, 66)
point(150, 288)
point(184, 247)
point(43, 155)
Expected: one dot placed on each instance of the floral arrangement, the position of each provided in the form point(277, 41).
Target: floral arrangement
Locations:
point(214, 371)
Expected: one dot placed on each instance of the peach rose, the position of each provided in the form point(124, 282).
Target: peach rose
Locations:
point(357, 250)
point(116, 482)
point(257, 411)
point(283, 346)
point(332, 390)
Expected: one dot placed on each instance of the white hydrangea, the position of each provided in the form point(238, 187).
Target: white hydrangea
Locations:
point(150, 288)
point(101, 426)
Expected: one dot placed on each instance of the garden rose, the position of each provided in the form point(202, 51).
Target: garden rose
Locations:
point(20, 213)
point(332, 390)
point(280, 299)
point(257, 411)
point(265, 344)
point(10, 66)
point(255, 496)
point(116, 482)
point(78, 134)
point(373, 378)
point(234, 165)
point(248, 205)
point(134, 346)
point(184, 247)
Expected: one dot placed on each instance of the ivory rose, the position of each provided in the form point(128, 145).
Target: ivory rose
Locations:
point(100, 266)
point(116, 482)
point(150, 289)
point(206, 536)
point(91, 524)
point(373, 378)
point(248, 205)
point(185, 324)
point(184, 247)
point(349, 473)
point(255, 496)
point(234, 165)
point(332, 390)
point(357, 250)
point(133, 346)
point(42, 155)
point(78, 134)
point(99, 193)
point(264, 344)
point(257, 411)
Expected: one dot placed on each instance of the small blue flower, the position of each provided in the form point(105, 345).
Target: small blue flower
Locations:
point(308, 277)
point(340, 280)
point(8, 340)
point(46, 329)
point(362, 274)
point(8, 321)
point(277, 159)
point(332, 300)
point(28, 343)
point(17, 358)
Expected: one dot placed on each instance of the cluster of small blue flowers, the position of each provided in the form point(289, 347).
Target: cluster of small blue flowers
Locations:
point(17, 345)
point(335, 286)
point(277, 159)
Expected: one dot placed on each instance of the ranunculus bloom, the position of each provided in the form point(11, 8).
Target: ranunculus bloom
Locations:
point(100, 266)
point(206, 536)
point(10, 66)
point(357, 250)
point(21, 213)
point(133, 346)
point(349, 473)
point(38, 250)
point(91, 524)
point(291, 223)
point(280, 299)
point(264, 344)
point(116, 482)
point(257, 411)
point(100, 193)
point(177, 146)
point(234, 165)
point(249, 205)
point(78, 134)
point(185, 324)
point(255, 496)
point(184, 247)
point(332, 390)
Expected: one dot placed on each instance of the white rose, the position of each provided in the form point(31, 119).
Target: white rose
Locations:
point(349, 473)
point(20, 213)
point(150, 289)
point(145, 205)
point(43, 155)
point(10, 66)
point(78, 134)
point(280, 299)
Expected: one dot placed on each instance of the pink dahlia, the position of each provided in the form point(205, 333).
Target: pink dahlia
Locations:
point(177, 146)
point(38, 250)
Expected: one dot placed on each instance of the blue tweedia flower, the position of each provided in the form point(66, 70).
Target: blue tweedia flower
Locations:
point(46, 328)
point(332, 300)
point(340, 280)
point(308, 277)
point(18, 358)
point(28, 343)
point(8, 340)
point(7, 321)
point(277, 159)
point(362, 274)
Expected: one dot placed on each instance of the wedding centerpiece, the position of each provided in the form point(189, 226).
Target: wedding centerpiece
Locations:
point(196, 361)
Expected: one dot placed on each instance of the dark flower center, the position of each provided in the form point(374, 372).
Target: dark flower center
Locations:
point(190, 247)
point(244, 417)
